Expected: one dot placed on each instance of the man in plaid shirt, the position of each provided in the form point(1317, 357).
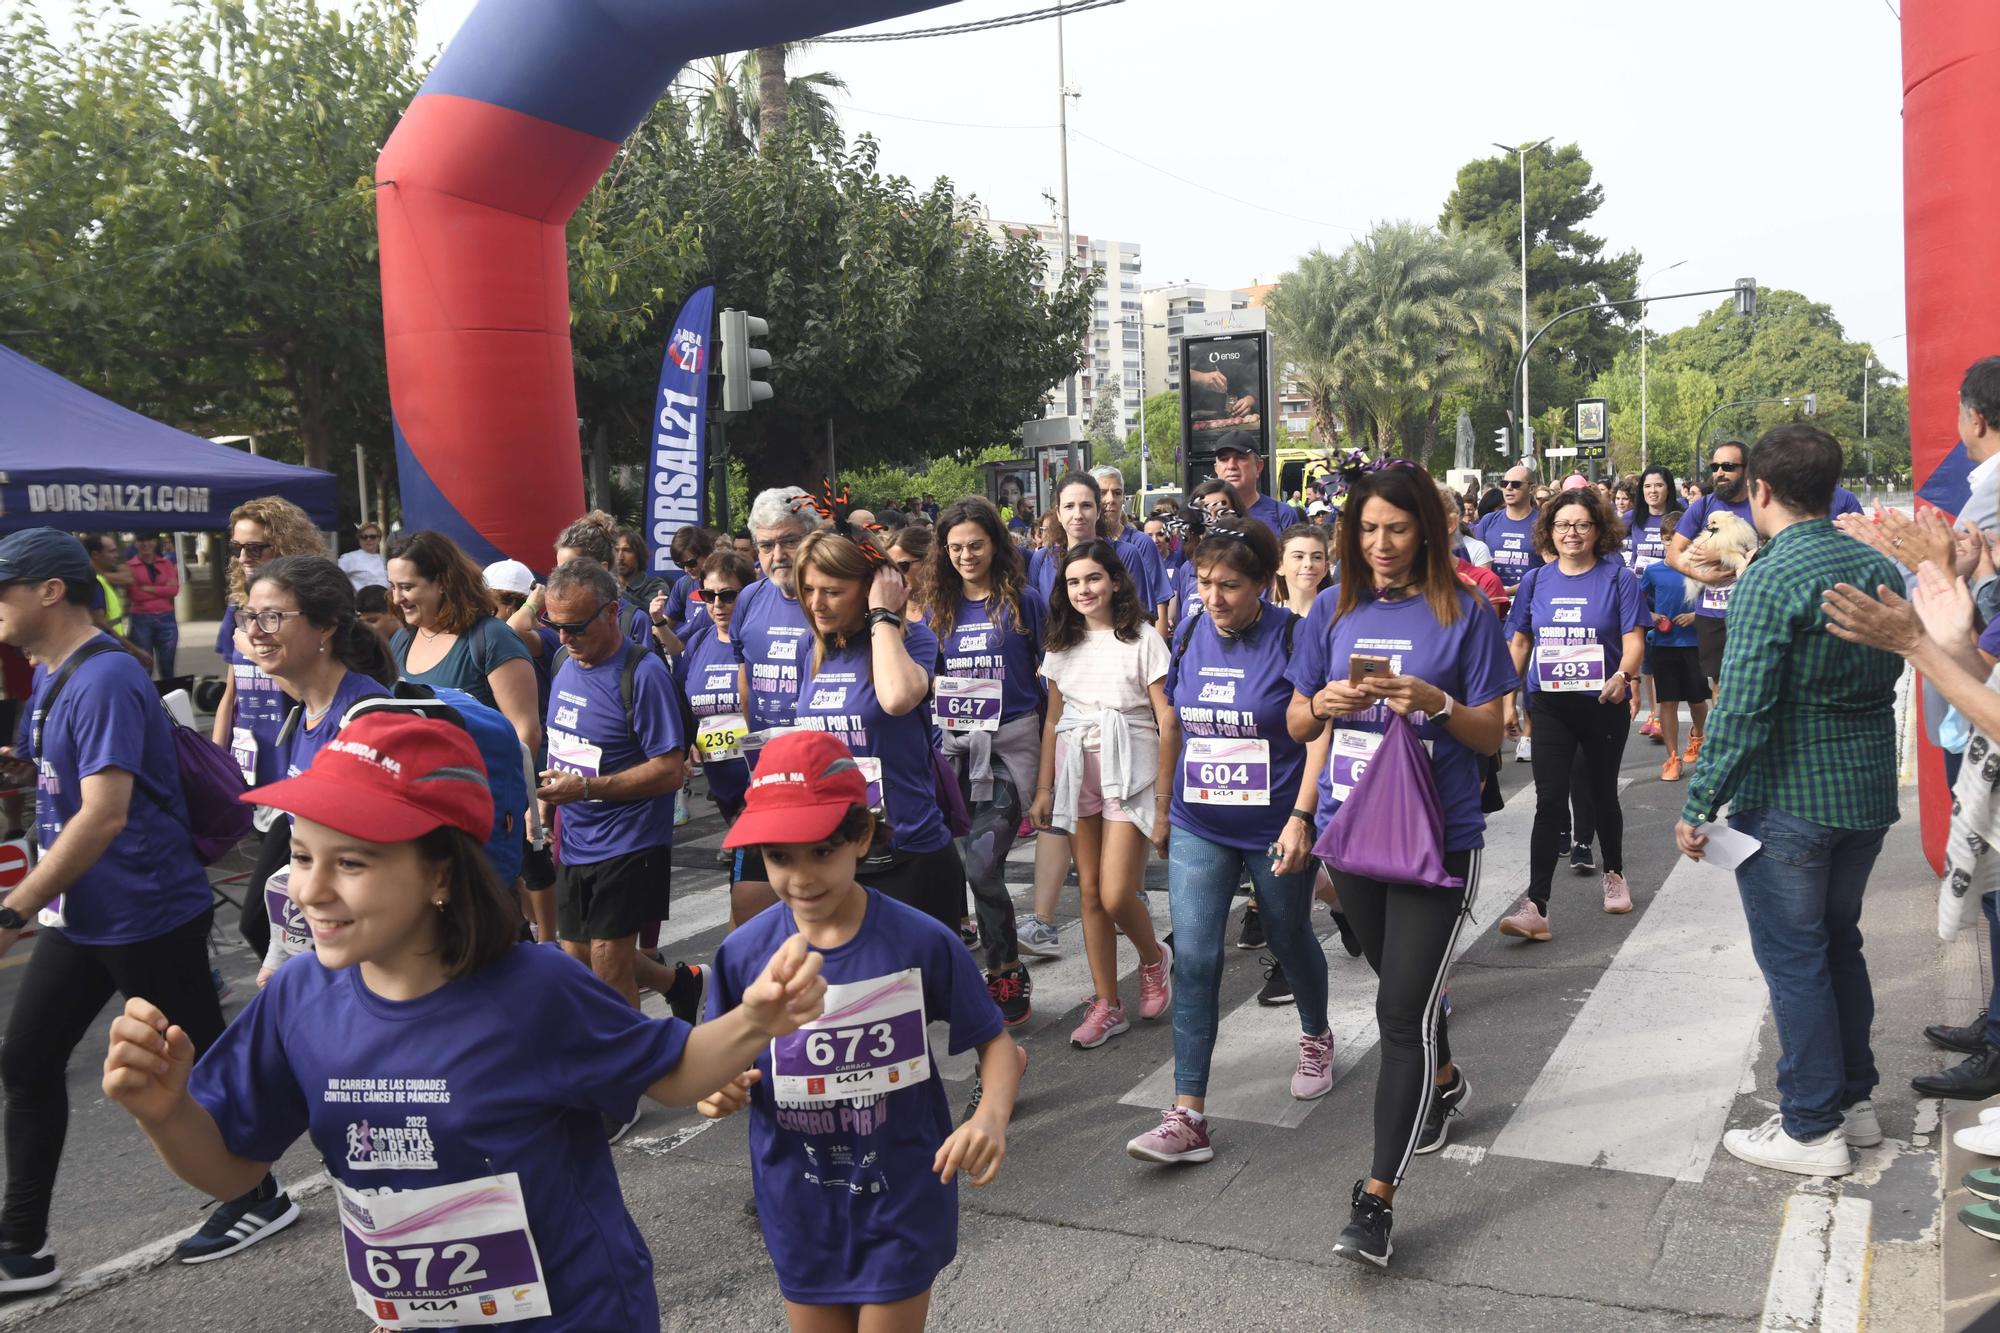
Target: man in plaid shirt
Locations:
point(1802, 745)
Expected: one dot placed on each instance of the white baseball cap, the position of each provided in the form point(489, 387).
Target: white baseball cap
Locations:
point(510, 576)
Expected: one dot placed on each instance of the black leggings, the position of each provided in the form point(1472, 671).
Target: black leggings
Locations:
point(63, 987)
point(1407, 934)
point(255, 921)
point(995, 822)
point(1579, 742)
point(931, 882)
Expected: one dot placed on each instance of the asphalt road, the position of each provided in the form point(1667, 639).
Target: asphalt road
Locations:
point(1585, 1188)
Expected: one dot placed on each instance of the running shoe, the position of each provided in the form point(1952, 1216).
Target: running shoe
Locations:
point(20, 1271)
point(688, 995)
point(240, 1223)
point(224, 988)
point(1581, 860)
point(1251, 936)
point(1348, 939)
point(1313, 1078)
point(979, 1087)
point(1011, 988)
point(1276, 989)
point(1769, 1145)
point(1026, 831)
point(725, 857)
point(1983, 1218)
point(1180, 1138)
point(1693, 749)
point(1859, 1124)
point(1523, 753)
point(1651, 726)
point(1671, 770)
point(1038, 938)
point(1982, 1180)
point(1365, 1238)
point(1156, 984)
point(1982, 1138)
point(1101, 1022)
point(1527, 923)
point(1617, 897)
point(1445, 1103)
point(968, 932)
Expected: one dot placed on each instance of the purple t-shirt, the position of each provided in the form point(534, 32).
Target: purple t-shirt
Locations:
point(851, 1210)
point(1142, 562)
point(148, 880)
point(840, 698)
point(469, 1082)
point(708, 673)
point(1646, 539)
point(1513, 543)
point(1559, 611)
point(1844, 502)
point(1714, 600)
point(1467, 660)
point(1187, 590)
point(774, 641)
point(1231, 695)
point(261, 706)
point(589, 735)
point(1274, 514)
point(305, 742)
point(981, 647)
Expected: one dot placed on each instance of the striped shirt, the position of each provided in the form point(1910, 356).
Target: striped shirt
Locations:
point(1804, 722)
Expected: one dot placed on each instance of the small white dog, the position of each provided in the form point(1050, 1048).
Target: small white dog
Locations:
point(1726, 540)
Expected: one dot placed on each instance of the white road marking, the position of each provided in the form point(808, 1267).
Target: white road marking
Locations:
point(1675, 1016)
point(1846, 1266)
point(1819, 1270)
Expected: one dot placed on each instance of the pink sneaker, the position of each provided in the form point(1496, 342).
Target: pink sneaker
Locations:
point(1156, 985)
point(1527, 923)
point(1617, 898)
point(1314, 1076)
point(1101, 1022)
point(1180, 1138)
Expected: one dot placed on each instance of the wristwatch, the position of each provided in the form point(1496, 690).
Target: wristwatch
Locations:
point(883, 616)
point(1628, 678)
point(11, 919)
point(1444, 713)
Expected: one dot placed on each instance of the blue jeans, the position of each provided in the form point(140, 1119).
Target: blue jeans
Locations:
point(1802, 896)
point(159, 635)
point(1201, 880)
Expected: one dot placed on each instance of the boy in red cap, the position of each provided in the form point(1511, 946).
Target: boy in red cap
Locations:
point(853, 1152)
point(463, 1128)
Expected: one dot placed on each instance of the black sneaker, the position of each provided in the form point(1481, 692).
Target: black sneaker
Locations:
point(1581, 861)
point(20, 1271)
point(1011, 988)
point(1252, 934)
point(1445, 1104)
point(1348, 939)
point(688, 996)
point(968, 932)
point(239, 1224)
point(1365, 1238)
point(1277, 990)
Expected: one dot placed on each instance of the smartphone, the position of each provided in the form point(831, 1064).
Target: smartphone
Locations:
point(1360, 667)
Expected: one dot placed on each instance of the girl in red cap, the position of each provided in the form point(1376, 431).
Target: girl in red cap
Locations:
point(852, 1148)
point(463, 1129)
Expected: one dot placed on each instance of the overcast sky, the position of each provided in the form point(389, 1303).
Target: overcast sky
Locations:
point(1758, 138)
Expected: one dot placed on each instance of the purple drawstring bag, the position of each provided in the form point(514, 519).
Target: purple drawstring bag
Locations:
point(1391, 826)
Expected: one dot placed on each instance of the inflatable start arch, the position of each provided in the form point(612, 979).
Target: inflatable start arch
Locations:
point(518, 119)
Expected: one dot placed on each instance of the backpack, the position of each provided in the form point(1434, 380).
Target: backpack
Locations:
point(509, 764)
point(211, 784)
point(631, 654)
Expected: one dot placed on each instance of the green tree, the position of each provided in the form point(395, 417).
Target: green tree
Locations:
point(1105, 428)
point(736, 102)
point(1389, 328)
point(189, 224)
point(1567, 266)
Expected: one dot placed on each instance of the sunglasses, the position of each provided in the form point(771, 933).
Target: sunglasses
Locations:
point(255, 550)
point(719, 596)
point(371, 536)
point(904, 566)
point(574, 627)
point(1725, 467)
point(1512, 485)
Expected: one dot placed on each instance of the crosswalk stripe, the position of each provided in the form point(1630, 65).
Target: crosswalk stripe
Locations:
point(1676, 1016)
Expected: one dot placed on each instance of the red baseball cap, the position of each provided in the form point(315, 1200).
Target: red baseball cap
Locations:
point(806, 782)
point(390, 778)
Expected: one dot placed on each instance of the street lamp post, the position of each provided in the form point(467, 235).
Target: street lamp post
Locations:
point(1645, 313)
point(1522, 153)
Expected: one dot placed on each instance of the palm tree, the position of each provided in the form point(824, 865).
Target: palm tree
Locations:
point(1385, 330)
point(738, 100)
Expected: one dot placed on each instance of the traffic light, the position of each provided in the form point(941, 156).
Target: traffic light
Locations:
point(1503, 440)
point(1812, 404)
point(1746, 297)
point(741, 389)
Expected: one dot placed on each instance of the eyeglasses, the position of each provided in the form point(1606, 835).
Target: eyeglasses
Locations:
point(574, 627)
point(904, 566)
point(790, 543)
point(720, 596)
point(1582, 525)
point(255, 550)
point(371, 536)
point(1512, 485)
point(1725, 467)
point(271, 622)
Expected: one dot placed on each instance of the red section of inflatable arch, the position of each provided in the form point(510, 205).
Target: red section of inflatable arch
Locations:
point(1951, 215)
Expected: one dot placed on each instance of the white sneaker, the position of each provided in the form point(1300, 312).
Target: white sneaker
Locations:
point(1859, 1124)
point(1523, 752)
point(1769, 1145)
point(1990, 1115)
point(1982, 1138)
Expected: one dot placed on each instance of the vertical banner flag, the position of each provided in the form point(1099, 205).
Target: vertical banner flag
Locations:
point(675, 495)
